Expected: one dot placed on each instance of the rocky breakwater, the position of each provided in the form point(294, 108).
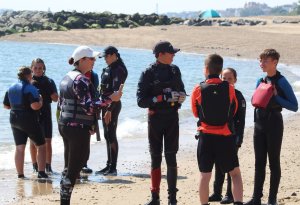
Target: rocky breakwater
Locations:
point(29, 21)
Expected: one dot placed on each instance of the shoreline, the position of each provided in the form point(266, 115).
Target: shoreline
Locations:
point(239, 42)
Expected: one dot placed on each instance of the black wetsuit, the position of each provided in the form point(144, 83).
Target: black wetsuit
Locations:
point(239, 125)
point(111, 78)
point(46, 87)
point(268, 133)
point(163, 125)
point(24, 120)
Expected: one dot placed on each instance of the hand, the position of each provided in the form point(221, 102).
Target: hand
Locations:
point(172, 97)
point(116, 96)
point(182, 97)
point(92, 132)
point(107, 117)
point(197, 135)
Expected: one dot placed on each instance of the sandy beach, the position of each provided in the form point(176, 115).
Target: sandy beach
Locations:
point(132, 185)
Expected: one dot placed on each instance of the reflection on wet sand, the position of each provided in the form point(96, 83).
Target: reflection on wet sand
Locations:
point(41, 187)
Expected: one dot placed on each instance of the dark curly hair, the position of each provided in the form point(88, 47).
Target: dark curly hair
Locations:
point(23, 72)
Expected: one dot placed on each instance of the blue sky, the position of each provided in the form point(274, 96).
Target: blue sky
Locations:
point(131, 6)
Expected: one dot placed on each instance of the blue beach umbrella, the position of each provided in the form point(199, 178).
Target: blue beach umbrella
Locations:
point(209, 14)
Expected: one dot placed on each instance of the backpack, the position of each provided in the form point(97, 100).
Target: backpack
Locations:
point(215, 107)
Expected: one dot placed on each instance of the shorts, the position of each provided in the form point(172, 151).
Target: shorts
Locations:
point(25, 124)
point(163, 129)
point(46, 121)
point(216, 149)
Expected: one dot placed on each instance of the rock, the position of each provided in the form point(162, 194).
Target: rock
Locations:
point(189, 22)
point(292, 20)
point(132, 26)
point(74, 22)
point(148, 24)
point(204, 22)
point(135, 17)
point(294, 194)
point(240, 22)
point(278, 20)
point(225, 23)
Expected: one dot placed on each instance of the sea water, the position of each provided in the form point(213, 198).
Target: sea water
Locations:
point(133, 120)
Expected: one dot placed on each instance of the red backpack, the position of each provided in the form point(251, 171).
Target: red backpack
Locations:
point(262, 95)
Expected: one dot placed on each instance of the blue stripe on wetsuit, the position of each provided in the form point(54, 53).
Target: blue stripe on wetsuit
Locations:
point(290, 102)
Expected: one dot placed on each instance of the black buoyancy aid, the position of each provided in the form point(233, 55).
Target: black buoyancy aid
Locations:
point(215, 107)
point(165, 78)
point(71, 110)
point(106, 86)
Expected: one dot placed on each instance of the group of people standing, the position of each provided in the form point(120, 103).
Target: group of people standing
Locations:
point(220, 108)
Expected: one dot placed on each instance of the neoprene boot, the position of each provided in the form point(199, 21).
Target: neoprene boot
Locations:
point(35, 167)
point(172, 182)
point(66, 189)
point(49, 169)
point(154, 199)
point(253, 201)
point(172, 197)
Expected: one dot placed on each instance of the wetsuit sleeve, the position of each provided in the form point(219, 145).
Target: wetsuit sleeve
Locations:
point(52, 86)
point(95, 82)
point(258, 82)
point(181, 84)
point(119, 77)
point(239, 118)
point(233, 99)
point(6, 99)
point(31, 93)
point(144, 97)
point(290, 101)
point(195, 100)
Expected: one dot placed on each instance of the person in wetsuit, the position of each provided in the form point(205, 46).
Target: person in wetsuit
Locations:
point(112, 77)
point(47, 89)
point(230, 75)
point(268, 127)
point(161, 90)
point(23, 100)
point(214, 103)
point(77, 116)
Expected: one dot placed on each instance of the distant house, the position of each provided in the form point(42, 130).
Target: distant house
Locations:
point(209, 14)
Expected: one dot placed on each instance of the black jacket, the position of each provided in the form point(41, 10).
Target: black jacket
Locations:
point(239, 118)
point(154, 80)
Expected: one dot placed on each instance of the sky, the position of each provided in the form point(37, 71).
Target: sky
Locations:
point(131, 6)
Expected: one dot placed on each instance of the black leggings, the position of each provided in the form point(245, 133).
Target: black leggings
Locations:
point(110, 135)
point(77, 147)
point(268, 132)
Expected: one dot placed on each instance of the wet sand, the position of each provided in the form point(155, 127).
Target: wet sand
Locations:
point(132, 184)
